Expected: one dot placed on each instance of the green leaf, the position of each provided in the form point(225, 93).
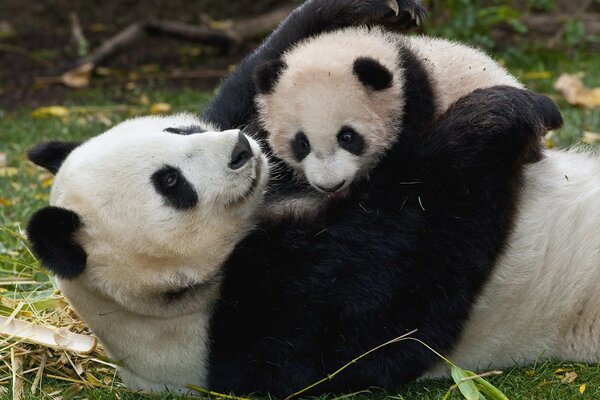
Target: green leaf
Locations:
point(467, 388)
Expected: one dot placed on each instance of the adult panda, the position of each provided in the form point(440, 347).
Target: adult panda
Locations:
point(175, 303)
point(334, 104)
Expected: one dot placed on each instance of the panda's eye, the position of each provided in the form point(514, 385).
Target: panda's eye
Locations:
point(300, 146)
point(346, 137)
point(351, 141)
point(177, 191)
point(170, 179)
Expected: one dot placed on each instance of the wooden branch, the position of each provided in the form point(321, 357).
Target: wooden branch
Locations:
point(226, 37)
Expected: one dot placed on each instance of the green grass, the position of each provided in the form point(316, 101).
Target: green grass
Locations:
point(24, 188)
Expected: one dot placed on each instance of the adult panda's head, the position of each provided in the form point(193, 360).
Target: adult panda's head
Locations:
point(148, 211)
point(332, 105)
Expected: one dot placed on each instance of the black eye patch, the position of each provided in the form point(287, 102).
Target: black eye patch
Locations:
point(300, 146)
point(185, 130)
point(175, 189)
point(351, 141)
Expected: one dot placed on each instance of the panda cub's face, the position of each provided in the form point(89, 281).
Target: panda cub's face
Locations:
point(161, 204)
point(330, 111)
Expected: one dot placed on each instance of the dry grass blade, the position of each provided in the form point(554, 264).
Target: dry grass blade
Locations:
point(16, 362)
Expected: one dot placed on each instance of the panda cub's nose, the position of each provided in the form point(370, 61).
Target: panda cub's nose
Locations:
point(242, 152)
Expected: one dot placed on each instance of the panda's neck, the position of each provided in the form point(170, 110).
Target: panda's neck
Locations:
point(152, 353)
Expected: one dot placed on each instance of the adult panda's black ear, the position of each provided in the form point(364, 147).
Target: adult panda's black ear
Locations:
point(267, 74)
point(372, 73)
point(547, 110)
point(50, 232)
point(51, 155)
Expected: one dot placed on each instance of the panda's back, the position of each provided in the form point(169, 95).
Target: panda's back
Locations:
point(457, 69)
point(543, 298)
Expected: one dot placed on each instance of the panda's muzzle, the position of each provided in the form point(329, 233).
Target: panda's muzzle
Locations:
point(241, 154)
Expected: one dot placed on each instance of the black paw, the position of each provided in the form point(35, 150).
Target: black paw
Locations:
point(399, 13)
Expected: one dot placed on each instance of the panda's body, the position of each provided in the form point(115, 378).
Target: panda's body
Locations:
point(135, 258)
point(543, 300)
point(291, 303)
point(333, 105)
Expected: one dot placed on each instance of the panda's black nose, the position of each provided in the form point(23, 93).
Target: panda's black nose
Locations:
point(241, 152)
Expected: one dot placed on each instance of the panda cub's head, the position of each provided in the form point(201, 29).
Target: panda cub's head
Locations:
point(147, 210)
point(332, 105)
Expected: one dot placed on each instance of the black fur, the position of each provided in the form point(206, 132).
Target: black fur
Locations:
point(300, 146)
point(355, 144)
point(372, 73)
point(51, 155)
point(185, 130)
point(234, 105)
point(410, 250)
point(267, 74)
point(175, 189)
point(50, 232)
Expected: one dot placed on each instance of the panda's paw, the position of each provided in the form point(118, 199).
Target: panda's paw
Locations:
point(400, 13)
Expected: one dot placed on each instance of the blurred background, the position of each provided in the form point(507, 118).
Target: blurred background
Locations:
point(191, 45)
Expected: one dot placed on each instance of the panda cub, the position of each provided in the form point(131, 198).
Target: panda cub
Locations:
point(140, 221)
point(335, 103)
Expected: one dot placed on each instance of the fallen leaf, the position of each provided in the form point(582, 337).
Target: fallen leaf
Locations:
point(52, 111)
point(47, 181)
point(78, 77)
point(590, 137)
point(5, 202)
point(160, 108)
point(576, 93)
point(537, 75)
point(569, 377)
point(3, 160)
point(7, 172)
point(582, 388)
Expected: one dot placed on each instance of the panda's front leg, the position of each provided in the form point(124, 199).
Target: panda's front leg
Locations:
point(233, 106)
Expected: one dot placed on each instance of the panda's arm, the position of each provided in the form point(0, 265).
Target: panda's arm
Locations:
point(233, 105)
point(500, 127)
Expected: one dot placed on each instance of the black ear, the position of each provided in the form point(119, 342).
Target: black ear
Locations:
point(372, 73)
point(266, 75)
point(50, 232)
point(547, 111)
point(50, 155)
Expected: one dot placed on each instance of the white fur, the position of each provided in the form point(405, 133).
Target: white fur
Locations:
point(543, 299)
point(138, 248)
point(318, 94)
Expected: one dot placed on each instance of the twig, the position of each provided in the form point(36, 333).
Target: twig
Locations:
point(17, 380)
point(331, 376)
point(77, 33)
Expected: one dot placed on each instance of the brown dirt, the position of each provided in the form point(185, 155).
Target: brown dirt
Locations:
point(36, 41)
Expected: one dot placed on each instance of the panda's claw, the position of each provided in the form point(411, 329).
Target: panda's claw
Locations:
point(394, 6)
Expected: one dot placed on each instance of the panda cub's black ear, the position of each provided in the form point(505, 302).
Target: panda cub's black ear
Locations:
point(267, 74)
point(50, 232)
point(51, 155)
point(372, 73)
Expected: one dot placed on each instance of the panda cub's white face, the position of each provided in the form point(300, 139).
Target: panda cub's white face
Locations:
point(160, 208)
point(332, 105)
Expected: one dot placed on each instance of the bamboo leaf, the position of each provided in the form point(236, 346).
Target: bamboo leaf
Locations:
point(466, 386)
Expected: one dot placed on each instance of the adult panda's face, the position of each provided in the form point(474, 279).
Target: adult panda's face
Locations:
point(331, 113)
point(156, 205)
